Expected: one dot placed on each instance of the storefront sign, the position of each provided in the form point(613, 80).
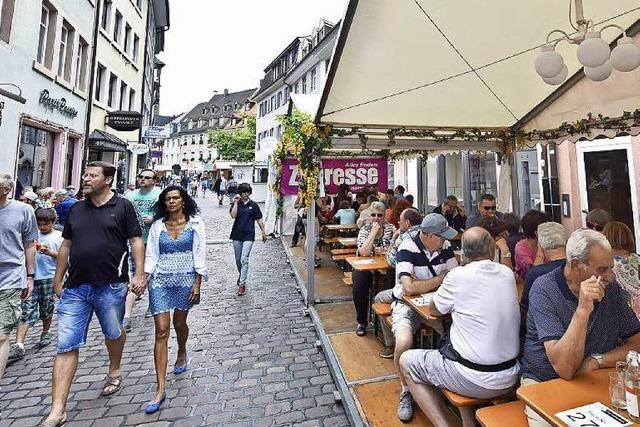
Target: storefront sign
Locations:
point(138, 148)
point(124, 121)
point(355, 172)
point(57, 104)
point(156, 132)
point(156, 153)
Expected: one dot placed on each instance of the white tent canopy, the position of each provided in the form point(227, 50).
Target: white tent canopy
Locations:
point(438, 63)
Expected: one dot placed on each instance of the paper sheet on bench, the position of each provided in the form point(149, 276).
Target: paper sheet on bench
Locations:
point(423, 299)
point(593, 414)
point(364, 261)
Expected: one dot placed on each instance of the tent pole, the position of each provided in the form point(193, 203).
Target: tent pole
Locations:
point(515, 183)
point(311, 245)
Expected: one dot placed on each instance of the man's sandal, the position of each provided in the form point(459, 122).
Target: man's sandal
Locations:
point(54, 422)
point(112, 385)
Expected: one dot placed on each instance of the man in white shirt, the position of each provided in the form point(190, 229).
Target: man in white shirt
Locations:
point(422, 263)
point(480, 358)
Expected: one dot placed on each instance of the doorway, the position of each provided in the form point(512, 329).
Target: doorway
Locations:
point(605, 179)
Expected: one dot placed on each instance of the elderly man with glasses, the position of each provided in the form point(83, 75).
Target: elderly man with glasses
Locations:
point(487, 208)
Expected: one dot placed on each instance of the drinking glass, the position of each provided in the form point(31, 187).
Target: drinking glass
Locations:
point(621, 367)
point(616, 390)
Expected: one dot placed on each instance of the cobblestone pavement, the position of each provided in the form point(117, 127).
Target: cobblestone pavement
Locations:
point(252, 360)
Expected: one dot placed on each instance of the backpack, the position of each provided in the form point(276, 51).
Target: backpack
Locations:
point(232, 186)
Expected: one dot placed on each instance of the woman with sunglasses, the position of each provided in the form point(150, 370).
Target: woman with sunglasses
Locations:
point(175, 266)
point(375, 236)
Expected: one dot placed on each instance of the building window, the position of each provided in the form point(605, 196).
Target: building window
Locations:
point(81, 64)
point(101, 75)
point(136, 47)
point(279, 100)
point(106, 15)
point(304, 84)
point(36, 156)
point(71, 145)
point(6, 19)
point(113, 94)
point(286, 94)
point(117, 27)
point(65, 53)
point(127, 39)
point(123, 96)
point(271, 132)
point(296, 88)
point(260, 175)
point(46, 36)
point(132, 100)
point(313, 80)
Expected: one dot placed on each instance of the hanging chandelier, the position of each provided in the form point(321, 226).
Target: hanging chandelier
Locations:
point(594, 53)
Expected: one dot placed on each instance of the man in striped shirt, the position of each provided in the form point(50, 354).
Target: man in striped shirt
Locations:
point(422, 264)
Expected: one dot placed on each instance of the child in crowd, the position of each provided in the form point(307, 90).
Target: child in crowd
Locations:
point(346, 213)
point(40, 305)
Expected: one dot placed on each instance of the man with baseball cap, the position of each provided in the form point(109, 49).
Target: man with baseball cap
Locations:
point(480, 357)
point(422, 263)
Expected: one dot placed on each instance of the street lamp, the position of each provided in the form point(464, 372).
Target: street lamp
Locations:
point(593, 52)
point(16, 97)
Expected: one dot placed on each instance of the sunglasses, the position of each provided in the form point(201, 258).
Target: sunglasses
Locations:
point(593, 226)
point(489, 208)
point(377, 215)
point(145, 177)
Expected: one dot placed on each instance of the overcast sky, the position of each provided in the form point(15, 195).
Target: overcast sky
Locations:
point(216, 44)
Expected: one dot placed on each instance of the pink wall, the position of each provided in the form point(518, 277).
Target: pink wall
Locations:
point(59, 150)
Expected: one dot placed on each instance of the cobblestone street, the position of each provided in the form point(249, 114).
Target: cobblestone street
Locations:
point(252, 360)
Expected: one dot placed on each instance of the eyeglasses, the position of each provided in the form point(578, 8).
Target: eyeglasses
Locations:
point(594, 226)
point(145, 177)
point(377, 215)
point(489, 208)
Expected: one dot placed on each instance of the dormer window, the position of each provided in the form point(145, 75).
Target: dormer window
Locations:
point(190, 124)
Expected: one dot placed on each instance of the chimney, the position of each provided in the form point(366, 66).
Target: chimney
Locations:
point(226, 92)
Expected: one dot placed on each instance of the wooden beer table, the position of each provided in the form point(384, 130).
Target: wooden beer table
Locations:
point(369, 263)
point(550, 397)
point(338, 227)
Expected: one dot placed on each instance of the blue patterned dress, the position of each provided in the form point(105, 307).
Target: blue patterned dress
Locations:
point(175, 273)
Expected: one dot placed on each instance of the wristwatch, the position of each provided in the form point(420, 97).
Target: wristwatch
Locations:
point(599, 358)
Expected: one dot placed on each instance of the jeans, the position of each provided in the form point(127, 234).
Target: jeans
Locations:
point(242, 250)
point(76, 308)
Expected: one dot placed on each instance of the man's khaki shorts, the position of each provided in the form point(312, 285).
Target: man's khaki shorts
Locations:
point(10, 309)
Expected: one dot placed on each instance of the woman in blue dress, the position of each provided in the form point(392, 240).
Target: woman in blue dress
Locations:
point(175, 265)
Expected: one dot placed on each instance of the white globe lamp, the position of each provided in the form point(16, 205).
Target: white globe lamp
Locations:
point(593, 51)
point(548, 63)
point(559, 79)
point(625, 56)
point(598, 74)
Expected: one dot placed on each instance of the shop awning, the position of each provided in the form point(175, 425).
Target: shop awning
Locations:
point(307, 103)
point(441, 64)
point(100, 140)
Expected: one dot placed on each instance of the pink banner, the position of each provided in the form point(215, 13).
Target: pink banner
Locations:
point(353, 171)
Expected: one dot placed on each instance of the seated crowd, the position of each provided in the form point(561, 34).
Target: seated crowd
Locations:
point(578, 309)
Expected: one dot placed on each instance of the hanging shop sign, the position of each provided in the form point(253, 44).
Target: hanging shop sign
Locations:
point(353, 171)
point(54, 104)
point(124, 121)
point(138, 148)
point(156, 132)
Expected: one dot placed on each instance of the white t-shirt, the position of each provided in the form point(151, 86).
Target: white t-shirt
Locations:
point(483, 301)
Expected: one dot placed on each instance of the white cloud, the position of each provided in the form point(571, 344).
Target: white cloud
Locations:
point(215, 44)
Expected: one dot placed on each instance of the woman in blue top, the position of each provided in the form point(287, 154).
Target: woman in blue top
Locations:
point(245, 213)
point(175, 265)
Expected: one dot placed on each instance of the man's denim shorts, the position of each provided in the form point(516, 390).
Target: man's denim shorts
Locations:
point(76, 308)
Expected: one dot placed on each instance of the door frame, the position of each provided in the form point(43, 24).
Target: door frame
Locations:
point(617, 143)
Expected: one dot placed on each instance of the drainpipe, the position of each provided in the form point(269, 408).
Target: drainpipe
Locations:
point(92, 81)
point(144, 82)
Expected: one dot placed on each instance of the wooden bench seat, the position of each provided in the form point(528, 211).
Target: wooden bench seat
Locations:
point(341, 258)
point(329, 240)
point(467, 405)
point(508, 414)
point(343, 251)
point(348, 281)
point(382, 309)
point(389, 321)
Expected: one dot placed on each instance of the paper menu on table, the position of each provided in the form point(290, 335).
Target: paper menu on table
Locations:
point(423, 299)
point(593, 415)
point(364, 261)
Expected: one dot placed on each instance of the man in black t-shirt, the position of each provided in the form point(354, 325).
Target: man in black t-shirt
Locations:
point(95, 253)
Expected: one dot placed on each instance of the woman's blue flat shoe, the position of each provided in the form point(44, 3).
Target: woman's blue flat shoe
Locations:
point(177, 370)
point(154, 406)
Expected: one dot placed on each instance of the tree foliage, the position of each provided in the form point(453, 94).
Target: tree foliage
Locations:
point(235, 144)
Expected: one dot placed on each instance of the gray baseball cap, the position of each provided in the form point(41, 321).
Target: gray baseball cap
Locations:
point(435, 223)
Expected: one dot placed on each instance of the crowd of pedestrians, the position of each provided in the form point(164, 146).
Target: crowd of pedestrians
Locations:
point(96, 253)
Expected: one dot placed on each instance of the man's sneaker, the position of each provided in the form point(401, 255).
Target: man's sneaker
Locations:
point(45, 339)
point(386, 352)
point(16, 352)
point(405, 407)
